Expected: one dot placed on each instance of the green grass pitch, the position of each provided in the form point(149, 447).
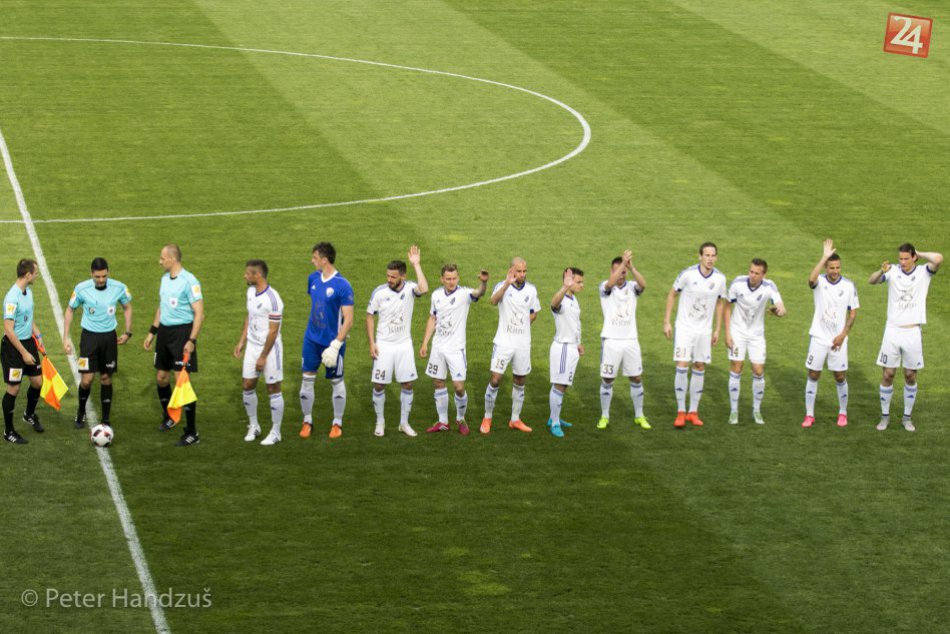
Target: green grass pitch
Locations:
point(763, 125)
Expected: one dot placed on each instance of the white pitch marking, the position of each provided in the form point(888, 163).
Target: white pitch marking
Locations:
point(585, 140)
point(105, 461)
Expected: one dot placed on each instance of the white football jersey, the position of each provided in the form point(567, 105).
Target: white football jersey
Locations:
point(698, 296)
point(907, 295)
point(263, 309)
point(514, 315)
point(749, 305)
point(567, 321)
point(395, 311)
point(833, 303)
point(619, 306)
point(451, 316)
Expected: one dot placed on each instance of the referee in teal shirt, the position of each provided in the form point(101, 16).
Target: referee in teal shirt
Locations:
point(177, 324)
point(18, 351)
point(98, 345)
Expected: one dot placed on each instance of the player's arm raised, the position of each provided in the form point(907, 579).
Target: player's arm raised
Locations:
point(634, 273)
point(482, 284)
point(498, 294)
point(615, 275)
point(828, 249)
point(422, 285)
point(667, 326)
point(878, 275)
point(427, 337)
point(568, 281)
point(934, 259)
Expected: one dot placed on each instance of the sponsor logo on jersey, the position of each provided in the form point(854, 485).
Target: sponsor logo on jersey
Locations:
point(83, 363)
point(16, 374)
point(9, 309)
point(196, 291)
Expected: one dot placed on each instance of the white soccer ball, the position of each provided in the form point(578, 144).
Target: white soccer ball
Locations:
point(101, 435)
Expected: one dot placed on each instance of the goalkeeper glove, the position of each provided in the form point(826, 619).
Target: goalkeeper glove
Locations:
point(330, 355)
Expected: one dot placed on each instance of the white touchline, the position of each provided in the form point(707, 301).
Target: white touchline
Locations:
point(125, 517)
point(585, 139)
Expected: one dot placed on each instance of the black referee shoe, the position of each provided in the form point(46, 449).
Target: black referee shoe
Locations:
point(15, 438)
point(34, 422)
point(187, 440)
point(80, 423)
point(166, 424)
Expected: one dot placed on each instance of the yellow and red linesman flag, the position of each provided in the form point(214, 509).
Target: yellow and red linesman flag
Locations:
point(182, 394)
point(54, 388)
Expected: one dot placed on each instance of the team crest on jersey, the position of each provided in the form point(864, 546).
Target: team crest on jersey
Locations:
point(712, 285)
point(83, 363)
point(452, 301)
point(16, 374)
point(402, 296)
point(329, 292)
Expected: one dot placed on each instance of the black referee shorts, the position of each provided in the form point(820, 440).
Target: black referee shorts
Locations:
point(98, 352)
point(14, 368)
point(170, 348)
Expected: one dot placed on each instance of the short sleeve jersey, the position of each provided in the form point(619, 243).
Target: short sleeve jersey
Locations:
point(567, 321)
point(833, 303)
point(749, 305)
point(698, 296)
point(263, 309)
point(327, 297)
point(394, 309)
point(176, 295)
point(514, 315)
point(99, 304)
point(18, 308)
point(907, 295)
point(619, 306)
point(451, 316)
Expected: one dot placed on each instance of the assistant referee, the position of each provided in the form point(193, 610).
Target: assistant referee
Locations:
point(177, 324)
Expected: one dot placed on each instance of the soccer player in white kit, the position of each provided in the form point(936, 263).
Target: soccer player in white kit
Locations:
point(750, 296)
point(702, 292)
point(566, 349)
point(836, 307)
point(518, 306)
point(390, 344)
point(907, 287)
point(619, 343)
point(448, 317)
point(265, 350)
